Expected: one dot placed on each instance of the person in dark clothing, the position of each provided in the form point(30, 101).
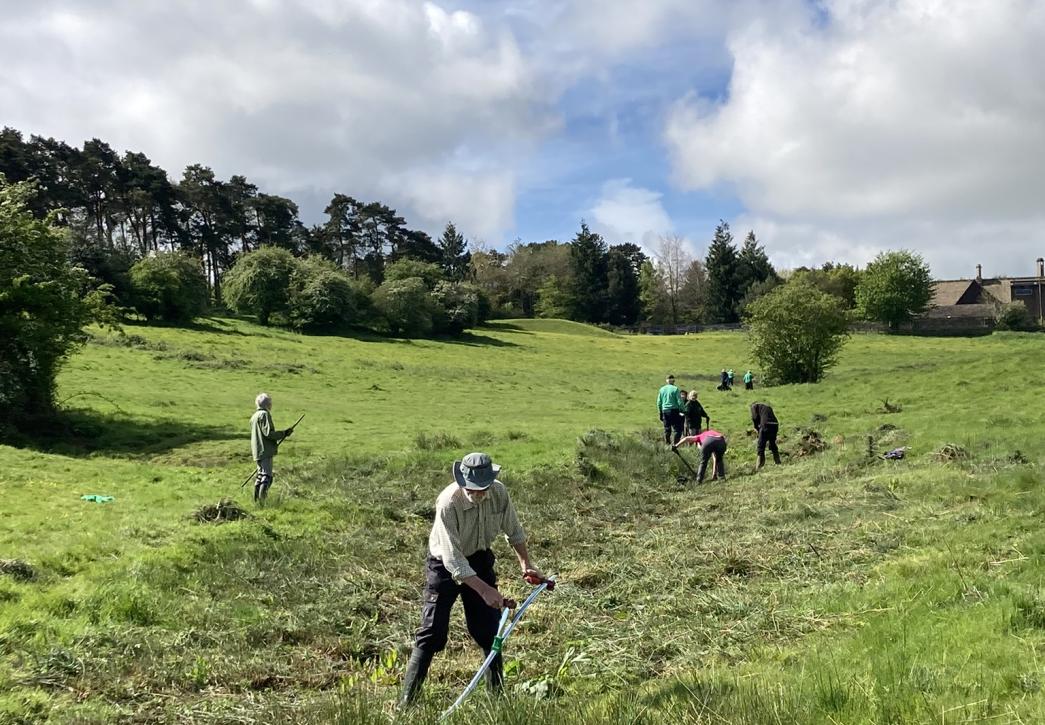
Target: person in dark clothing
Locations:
point(724, 384)
point(765, 422)
point(711, 444)
point(694, 412)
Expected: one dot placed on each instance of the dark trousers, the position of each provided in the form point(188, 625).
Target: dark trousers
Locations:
point(767, 437)
point(673, 421)
point(712, 447)
point(441, 591)
point(749, 385)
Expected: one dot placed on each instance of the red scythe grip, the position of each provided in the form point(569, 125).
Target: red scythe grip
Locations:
point(535, 581)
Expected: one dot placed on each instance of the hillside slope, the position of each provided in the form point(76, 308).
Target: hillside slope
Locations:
point(836, 588)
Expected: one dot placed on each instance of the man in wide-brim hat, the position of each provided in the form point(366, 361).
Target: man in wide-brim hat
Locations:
point(469, 515)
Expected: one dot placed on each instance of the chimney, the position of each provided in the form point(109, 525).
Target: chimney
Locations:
point(979, 272)
point(1041, 267)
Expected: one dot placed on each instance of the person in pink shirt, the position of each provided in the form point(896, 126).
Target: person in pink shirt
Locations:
point(711, 443)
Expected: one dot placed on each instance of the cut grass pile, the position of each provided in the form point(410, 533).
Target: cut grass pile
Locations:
point(837, 588)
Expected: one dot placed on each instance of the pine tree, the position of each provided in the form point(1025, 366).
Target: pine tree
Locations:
point(623, 305)
point(723, 288)
point(753, 265)
point(588, 263)
point(456, 256)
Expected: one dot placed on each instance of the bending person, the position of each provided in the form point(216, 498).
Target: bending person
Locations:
point(711, 444)
point(469, 514)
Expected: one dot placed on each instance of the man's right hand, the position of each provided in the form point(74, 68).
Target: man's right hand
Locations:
point(287, 432)
point(494, 598)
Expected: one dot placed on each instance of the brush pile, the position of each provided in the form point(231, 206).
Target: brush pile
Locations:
point(950, 453)
point(17, 569)
point(810, 442)
point(224, 510)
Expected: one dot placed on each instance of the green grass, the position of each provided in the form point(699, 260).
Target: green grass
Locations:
point(835, 588)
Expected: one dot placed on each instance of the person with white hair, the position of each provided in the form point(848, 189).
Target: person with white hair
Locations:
point(264, 442)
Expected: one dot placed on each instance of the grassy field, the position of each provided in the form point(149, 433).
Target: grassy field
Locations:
point(836, 588)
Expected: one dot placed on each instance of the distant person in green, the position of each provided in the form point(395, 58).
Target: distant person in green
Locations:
point(264, 442)
point(671, 408)
point(694, 412)
point(749, 381)
point(729, 375)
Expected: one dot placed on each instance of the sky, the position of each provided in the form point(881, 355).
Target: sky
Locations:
point(833, 129)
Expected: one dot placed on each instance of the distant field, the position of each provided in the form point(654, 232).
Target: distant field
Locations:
point(837, 588)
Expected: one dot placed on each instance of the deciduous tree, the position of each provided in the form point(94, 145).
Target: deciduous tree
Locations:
point(796, 332)
point(895, 288)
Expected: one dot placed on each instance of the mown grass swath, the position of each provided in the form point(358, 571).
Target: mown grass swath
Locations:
point(838, 587)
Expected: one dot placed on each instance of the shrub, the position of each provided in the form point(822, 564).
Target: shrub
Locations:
point(322, 296)
point(169, 287)
point(106, 266)
point(1015, 316)
point(455, 308)
point(405, 306)
point(796, 332)
point(45, 302)
point(259, 283)
point(430, 274)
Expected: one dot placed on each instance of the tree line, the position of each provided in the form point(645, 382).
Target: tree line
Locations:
point(121, 208)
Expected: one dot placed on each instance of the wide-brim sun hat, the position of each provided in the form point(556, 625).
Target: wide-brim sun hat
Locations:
point(475, 472)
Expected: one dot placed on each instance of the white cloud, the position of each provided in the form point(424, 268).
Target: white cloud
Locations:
point(305, 97)
point(906, 123)
point(477, 201)
point(627, 213)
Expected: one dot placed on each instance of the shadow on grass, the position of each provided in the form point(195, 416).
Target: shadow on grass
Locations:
point(507, 327)
point(78, 432)
point(215, 325)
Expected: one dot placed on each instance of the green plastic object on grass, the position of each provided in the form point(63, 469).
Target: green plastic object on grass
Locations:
point(97, 498)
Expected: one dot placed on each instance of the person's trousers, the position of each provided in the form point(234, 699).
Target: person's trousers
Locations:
point(440, 593)
point(673, 422)
point(716, 447)
point(263, 479)
point(749, 386)
point(767, 437)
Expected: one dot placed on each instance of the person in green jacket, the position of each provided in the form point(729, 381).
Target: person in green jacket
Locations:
point(264, 442)
point(749, 381)
point(670, 407)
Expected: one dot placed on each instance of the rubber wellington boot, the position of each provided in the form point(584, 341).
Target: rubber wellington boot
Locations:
point(776, 457)
point(416, 672)
point(495, 675)
point(761, 461)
